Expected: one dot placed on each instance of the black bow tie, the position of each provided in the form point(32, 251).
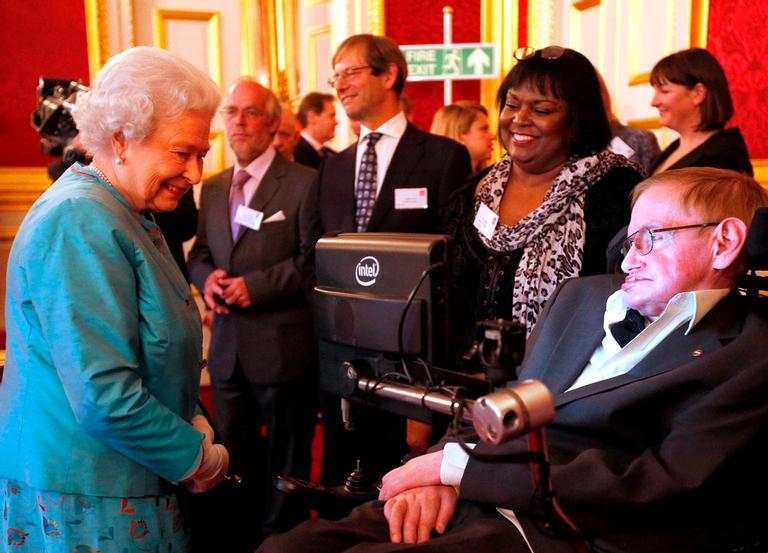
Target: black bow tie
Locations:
point(632, 325)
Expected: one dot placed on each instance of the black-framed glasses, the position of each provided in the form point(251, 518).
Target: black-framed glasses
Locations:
point(346, 74)
point(643, 239)
point(548, 53)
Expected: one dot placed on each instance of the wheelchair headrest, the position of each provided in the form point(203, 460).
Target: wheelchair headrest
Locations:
point(757, 241)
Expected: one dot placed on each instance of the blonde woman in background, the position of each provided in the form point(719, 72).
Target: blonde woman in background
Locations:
point(466, 122)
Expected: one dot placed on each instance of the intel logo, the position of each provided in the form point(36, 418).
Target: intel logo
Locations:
point(367, 270)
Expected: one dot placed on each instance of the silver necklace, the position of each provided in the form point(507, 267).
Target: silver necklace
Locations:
point(101, 175)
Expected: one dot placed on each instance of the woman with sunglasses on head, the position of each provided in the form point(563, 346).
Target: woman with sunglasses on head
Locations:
point(547, 209)
point(692, 96)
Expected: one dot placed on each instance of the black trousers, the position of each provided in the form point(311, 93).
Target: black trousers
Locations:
point(287, 410)
point(473, 528)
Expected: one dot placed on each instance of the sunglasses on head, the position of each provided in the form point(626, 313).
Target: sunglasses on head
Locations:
point(548, 53)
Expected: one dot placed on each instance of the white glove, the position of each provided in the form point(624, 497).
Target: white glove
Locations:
point(200, 423)
point(212, 470)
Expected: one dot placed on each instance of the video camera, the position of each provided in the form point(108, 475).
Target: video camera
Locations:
point(53, 118)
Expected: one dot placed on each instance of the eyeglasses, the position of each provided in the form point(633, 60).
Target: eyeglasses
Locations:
point(644, 239)
point(230, 112)
point(346, 74)
point(548, 53)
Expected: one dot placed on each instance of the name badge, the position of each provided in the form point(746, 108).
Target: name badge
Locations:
point(248, 217)
point(411, 198)
point(486, 221)
point(618, 146)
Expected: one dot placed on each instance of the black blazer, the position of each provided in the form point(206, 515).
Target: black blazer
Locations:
point(306, 154)
point(178, 226)
point(274, 338)
point(420, 160)
point(668, 457)
point(725, 149)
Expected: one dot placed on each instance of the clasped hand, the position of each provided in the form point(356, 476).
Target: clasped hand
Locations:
point(231, 290)
point(416, 501)
point(214, 462)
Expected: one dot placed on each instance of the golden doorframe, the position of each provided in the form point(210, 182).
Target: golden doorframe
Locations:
point(498, 24)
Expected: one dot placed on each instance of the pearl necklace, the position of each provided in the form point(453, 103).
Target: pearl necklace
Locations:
point(101, 175)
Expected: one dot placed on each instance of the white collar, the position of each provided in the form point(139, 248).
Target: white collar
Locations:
point(695, 304)
point(312, 142)
point(394, 127)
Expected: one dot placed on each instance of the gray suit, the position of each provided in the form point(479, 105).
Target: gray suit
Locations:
point(262, 358)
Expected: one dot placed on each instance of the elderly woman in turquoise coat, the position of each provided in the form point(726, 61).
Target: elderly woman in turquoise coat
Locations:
point(97, 404)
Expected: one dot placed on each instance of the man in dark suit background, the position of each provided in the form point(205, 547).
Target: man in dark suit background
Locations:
point(658, 441)
point(317, 117)
point(396, 178)
point(249, 263)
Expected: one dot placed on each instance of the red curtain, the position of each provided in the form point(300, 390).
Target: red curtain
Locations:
point(736, 36)
point(35, 42)
point(409, 22)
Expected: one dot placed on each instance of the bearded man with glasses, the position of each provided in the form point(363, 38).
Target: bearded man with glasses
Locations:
point(658, 440)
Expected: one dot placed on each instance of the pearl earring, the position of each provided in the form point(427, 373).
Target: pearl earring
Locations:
point(118, 161)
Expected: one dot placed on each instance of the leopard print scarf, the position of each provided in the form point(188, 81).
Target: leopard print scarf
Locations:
point(552, 236)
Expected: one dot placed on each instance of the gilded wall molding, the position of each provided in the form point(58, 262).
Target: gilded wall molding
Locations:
point(648, 123)
point(96, 35)
point(699, 22)
point(213, 34)
point(582, 5)
point(21, 186)
point(280, 21)
point(699, 12)
point(377, 24)
point(312, 34)
point(541, 23)
point(219, 150)
point(248, 33)
point(499, 21)
point(761, 171)
point(577, 23)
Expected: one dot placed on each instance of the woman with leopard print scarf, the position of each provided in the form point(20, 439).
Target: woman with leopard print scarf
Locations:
point(546, 211)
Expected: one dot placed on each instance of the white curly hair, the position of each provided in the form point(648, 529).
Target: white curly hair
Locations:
point(137, 89)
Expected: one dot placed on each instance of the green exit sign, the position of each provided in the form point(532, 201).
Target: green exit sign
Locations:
point(438, 62)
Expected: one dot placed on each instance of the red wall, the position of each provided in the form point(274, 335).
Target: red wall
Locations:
point(50, 42)
point(409, 22)
point(736, 36)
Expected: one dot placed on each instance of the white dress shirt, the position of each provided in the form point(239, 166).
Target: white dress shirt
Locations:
point(257, 168)
point(392, 131)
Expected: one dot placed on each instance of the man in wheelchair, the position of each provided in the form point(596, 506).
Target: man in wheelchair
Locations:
point(660, 382)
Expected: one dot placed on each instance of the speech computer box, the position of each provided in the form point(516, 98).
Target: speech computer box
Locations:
point(363, 284)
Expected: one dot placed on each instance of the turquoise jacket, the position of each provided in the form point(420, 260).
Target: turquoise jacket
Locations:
point(104, 349)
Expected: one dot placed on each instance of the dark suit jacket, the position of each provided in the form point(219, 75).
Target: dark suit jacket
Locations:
point(725, 149)
point(178, 226)
point(306, 154)
point(420, 160)
point(669, 457)
point(273, 339)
